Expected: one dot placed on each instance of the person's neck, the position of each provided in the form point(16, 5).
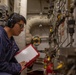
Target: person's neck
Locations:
point(8, 31)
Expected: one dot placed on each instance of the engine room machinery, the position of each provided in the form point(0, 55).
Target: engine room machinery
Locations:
point(3, 14)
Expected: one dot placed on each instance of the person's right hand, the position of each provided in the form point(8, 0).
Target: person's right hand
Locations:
point(23, 63)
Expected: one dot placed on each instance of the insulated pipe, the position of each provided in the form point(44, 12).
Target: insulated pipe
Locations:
point(20, 7)
point(23, 8)
point(37, 20)
point(17, 6)
point(6, 2)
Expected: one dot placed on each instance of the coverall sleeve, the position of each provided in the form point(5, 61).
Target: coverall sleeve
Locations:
point(5, 66)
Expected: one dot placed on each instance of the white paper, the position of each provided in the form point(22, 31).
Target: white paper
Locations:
point(27, 54)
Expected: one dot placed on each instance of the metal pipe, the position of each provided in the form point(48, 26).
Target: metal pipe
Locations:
point(23, 8)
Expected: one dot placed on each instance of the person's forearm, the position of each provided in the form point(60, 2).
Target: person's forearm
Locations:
point(11, 68)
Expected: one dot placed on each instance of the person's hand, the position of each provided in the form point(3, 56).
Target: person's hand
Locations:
point(23, 63)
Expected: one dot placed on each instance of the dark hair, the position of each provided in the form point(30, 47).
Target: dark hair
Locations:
point(13, 19)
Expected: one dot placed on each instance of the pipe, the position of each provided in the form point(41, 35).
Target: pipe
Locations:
point(20, 7)
point(37, 20)
point(23, 8)
point(34, 21)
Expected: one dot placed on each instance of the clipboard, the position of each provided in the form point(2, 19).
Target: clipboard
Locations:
point(28, 54)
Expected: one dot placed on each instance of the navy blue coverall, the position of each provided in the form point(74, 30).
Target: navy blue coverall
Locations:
point(8, 48)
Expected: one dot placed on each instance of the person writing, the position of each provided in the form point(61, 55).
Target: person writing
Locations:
point(8, 47)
